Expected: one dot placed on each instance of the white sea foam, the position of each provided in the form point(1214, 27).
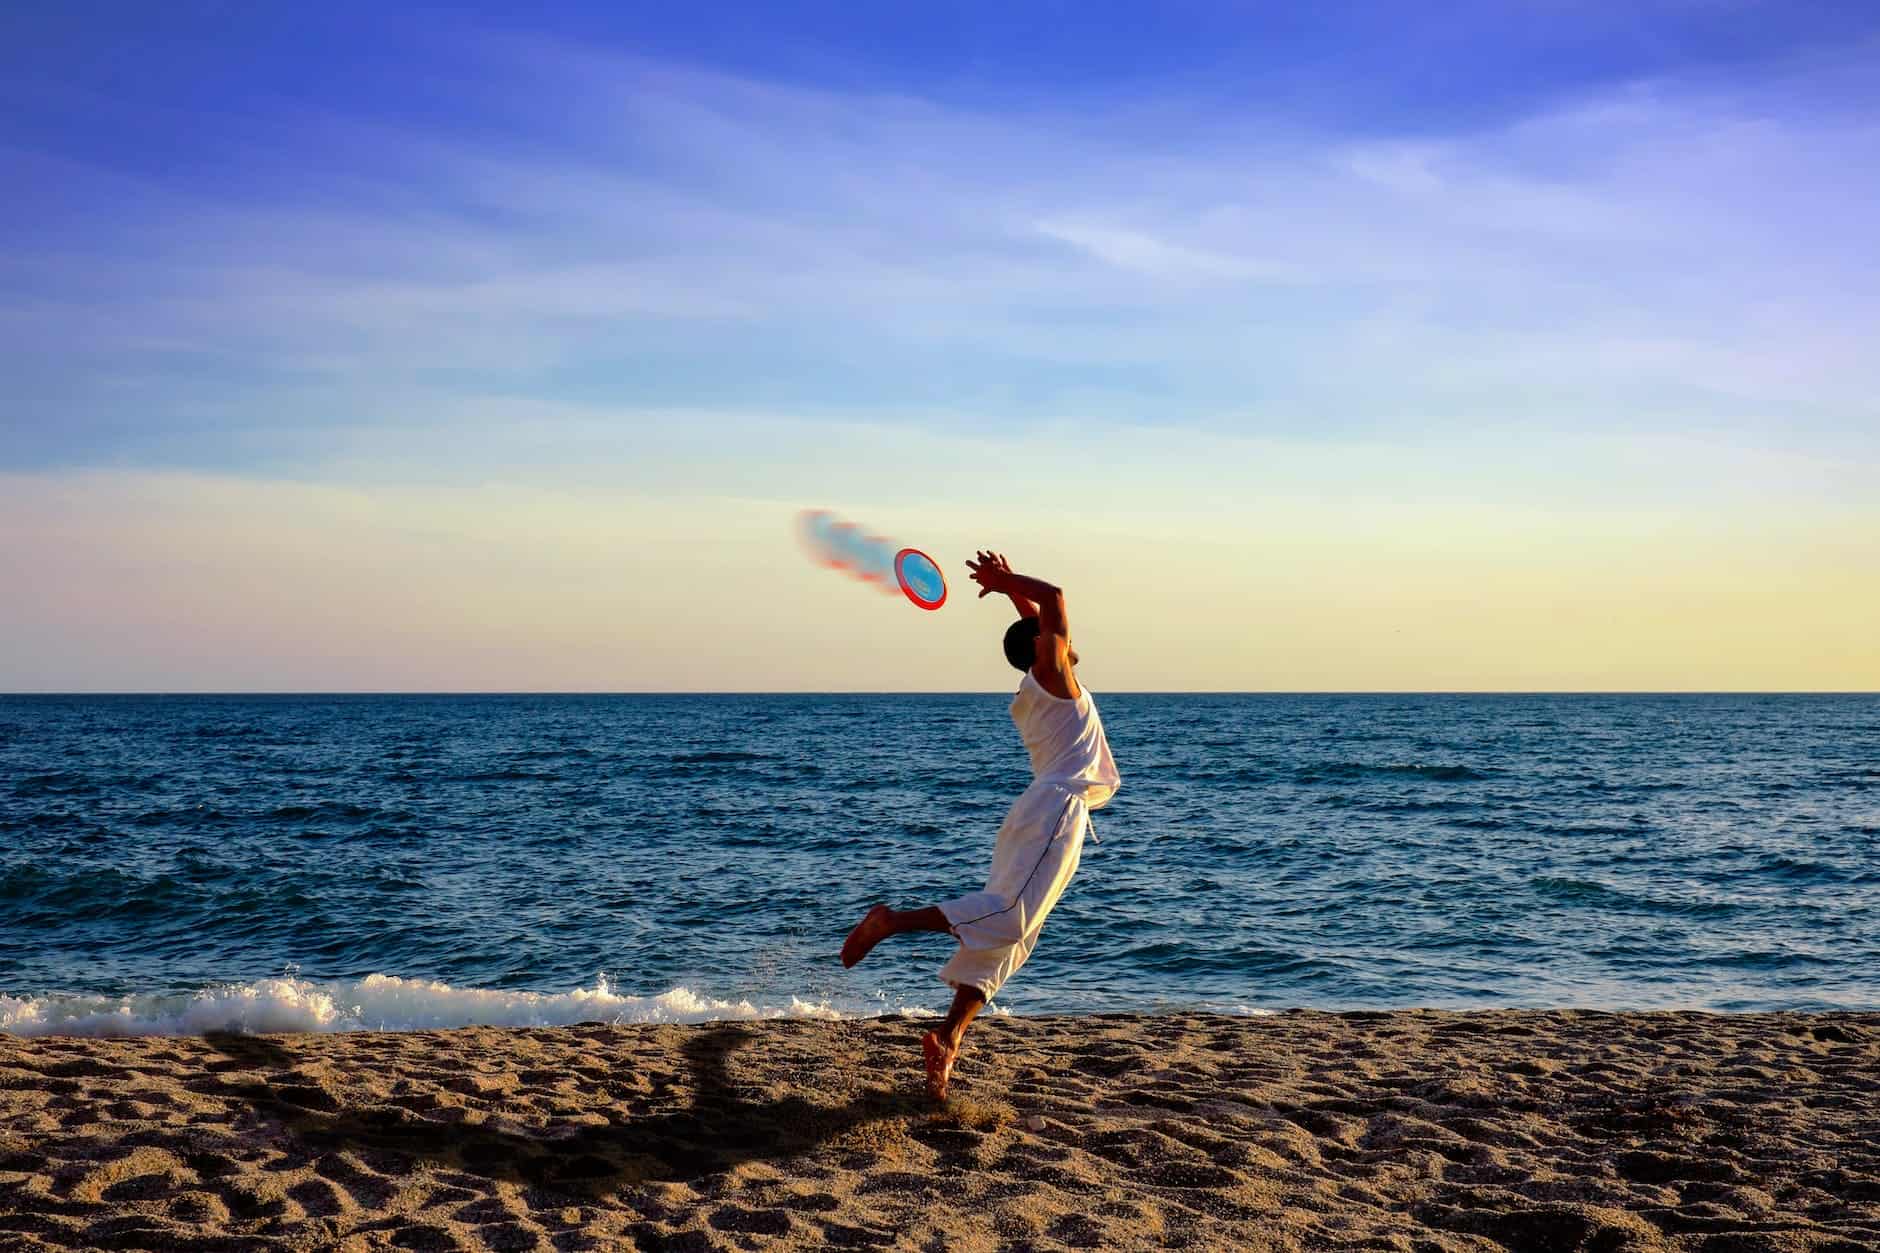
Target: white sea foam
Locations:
point(1239, 1009)
point(375, 1003)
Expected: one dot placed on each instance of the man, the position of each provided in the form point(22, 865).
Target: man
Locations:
point(1042, 836)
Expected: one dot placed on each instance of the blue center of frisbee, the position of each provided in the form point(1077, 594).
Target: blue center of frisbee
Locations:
point(922, 577)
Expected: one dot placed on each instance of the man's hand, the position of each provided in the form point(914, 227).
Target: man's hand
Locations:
point(994, 574)
point(991, 572)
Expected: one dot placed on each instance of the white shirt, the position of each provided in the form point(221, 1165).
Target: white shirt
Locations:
point(1066, 741)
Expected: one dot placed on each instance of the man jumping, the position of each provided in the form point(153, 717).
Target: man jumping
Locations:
point(1042, 836)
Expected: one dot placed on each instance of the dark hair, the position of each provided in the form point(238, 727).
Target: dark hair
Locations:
point(1021, 643)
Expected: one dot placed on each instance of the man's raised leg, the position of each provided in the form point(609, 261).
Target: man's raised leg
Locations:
point(881, 922)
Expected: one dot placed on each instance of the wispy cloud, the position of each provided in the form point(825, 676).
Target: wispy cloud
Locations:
point(651, 237)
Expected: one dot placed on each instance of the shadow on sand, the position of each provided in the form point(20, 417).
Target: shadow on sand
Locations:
point(717, 1131)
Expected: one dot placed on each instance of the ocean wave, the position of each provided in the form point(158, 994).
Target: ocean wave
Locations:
point(1361, 770)
point(1605, 896)
point(374, 1003)
point(1239, 1009)
point(1341, 801)
point(339, 810)
point(57, 783)
point(98, 893)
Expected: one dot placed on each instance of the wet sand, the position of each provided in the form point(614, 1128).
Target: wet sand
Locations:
point(1407, 1130)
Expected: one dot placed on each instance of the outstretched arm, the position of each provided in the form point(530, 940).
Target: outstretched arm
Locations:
point(1053, 668)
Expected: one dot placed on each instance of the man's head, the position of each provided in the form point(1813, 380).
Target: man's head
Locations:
point(1021, 643)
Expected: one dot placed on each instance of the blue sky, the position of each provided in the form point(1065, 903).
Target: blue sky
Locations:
point(245, 222)
point(1127, 261)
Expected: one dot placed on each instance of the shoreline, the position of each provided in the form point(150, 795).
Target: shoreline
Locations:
point(292, 1003)
point(1408, 1129)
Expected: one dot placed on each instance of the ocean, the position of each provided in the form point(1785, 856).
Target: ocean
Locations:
point(194, 863)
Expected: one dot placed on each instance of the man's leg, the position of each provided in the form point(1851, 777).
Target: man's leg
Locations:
point(967, 1002)
point(942, 1045)
point(881, 922)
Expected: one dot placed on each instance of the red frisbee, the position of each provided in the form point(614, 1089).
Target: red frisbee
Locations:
point(920, 578)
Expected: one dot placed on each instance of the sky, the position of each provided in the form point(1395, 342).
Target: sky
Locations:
point(1521, 345)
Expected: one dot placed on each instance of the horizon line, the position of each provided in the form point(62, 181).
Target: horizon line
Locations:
point(365, 692)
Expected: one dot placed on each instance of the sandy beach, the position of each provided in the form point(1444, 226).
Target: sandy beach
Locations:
point(1406, 1130)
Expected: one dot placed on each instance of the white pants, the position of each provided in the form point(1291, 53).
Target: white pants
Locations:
point(1040, 843)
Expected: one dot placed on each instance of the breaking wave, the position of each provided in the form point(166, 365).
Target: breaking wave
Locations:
point(374, 1003)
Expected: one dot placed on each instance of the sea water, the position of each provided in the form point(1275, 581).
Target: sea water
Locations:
point(195, 863)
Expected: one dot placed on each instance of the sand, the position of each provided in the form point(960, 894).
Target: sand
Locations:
point(1409, 1130)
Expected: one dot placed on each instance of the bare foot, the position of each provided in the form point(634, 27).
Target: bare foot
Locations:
point(940, 1061)
point(870, 931)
